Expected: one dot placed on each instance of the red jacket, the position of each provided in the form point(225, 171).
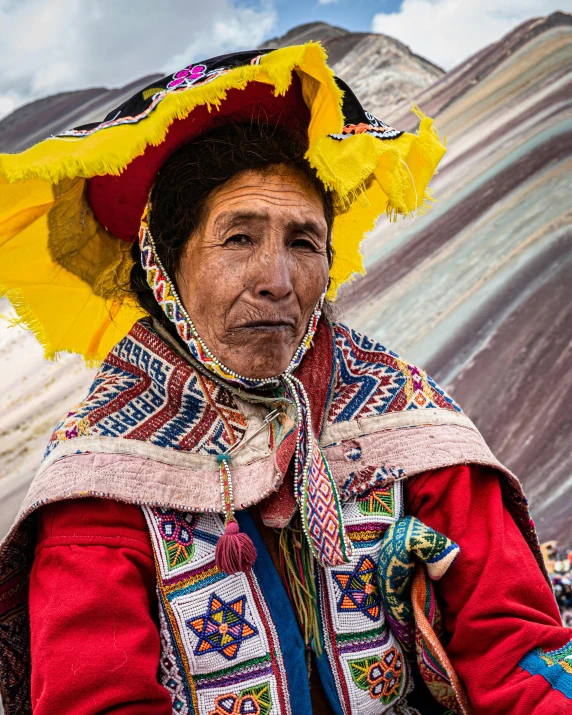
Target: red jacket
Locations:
point(95, 640)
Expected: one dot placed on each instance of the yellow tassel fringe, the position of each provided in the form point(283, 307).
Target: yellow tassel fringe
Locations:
point(369, 177)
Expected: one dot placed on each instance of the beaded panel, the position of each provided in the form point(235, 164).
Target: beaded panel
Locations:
point(171, 671)
point(183, 540)
point(372, 380)
point(145, 391)
point(368, 665)
point(220, 652)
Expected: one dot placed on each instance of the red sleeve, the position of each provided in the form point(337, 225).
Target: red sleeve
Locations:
point(497, 605)
point(94, 634)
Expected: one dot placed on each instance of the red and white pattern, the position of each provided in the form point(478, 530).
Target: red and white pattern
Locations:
point(144, 391)
point(324, 514)
point(372, 380)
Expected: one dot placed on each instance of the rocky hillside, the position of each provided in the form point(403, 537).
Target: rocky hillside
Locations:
point(478, 290)
point(382, 71)
point(36, 121)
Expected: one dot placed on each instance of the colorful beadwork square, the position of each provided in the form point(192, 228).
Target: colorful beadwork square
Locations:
point(223, 627)
point(368, 515)
point(218, 623)
point(380, 675)
point(378, 678)
point(256, 696)
point(183, 539)
point(358, 589)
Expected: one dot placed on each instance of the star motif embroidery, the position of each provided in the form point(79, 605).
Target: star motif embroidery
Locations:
point(223, 628)
point(359, 589)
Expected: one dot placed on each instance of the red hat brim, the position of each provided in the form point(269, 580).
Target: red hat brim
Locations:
point(118, 201)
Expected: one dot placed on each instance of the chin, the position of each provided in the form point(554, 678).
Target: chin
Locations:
point(262, 358)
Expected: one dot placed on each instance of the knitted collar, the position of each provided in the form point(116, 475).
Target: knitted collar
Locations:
point(316, 491)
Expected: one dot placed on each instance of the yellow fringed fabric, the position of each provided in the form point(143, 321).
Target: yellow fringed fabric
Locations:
point(66, 275)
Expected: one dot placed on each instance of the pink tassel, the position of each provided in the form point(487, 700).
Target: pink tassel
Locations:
point(234, 550)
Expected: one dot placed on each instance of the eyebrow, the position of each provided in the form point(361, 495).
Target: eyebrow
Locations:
point(228, 218)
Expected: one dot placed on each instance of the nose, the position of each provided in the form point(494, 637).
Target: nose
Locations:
point(273, 274)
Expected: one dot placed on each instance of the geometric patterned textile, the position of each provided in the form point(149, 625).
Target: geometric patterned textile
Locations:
point(223, 627)
point(405, 541)
point(222, 645)
point(367, 662)
point(177, 531)
point(381, 676)
point(220, 652)
point(321, 508)
point(554, 666)
point(377, 501)
point(145, 391)
point(433, 662)
point(252, 701)
point(371, 380)
point(14, 622)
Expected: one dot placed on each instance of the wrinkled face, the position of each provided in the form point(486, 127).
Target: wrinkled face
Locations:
point(252, 274)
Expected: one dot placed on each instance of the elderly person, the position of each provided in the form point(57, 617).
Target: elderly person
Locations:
point(255, 509)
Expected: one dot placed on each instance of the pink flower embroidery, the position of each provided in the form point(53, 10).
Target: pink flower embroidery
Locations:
point(187, 76)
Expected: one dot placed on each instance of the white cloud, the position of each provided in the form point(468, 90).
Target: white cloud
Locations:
point(244, 28)
point(326, 2)
point(448, 31)
point(56, 45)
point(7, 105)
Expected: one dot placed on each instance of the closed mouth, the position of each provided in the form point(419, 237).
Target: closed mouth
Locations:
point(267, 326)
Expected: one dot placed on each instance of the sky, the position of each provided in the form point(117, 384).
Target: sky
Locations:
point(50, 46)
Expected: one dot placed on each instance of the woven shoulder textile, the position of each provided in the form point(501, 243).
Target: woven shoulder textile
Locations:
point(145, 391)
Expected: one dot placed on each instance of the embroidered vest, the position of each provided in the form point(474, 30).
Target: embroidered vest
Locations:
point(220, 647)
point(148, 433)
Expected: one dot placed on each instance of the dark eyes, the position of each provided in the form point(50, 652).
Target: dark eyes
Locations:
point(304, 243)
point(239, 239)
point(242, 239)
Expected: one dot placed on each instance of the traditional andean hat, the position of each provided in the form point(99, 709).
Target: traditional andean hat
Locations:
point(70, 206)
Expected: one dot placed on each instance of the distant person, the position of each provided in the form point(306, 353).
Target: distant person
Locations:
point(255, 510)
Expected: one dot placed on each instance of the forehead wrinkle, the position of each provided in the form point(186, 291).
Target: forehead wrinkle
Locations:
point(264, 192)
point(287, 181)
point(229, 217)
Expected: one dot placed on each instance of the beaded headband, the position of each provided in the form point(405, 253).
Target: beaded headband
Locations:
point(316, 490)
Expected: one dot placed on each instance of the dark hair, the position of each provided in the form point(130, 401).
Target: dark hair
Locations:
point(184, 183)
